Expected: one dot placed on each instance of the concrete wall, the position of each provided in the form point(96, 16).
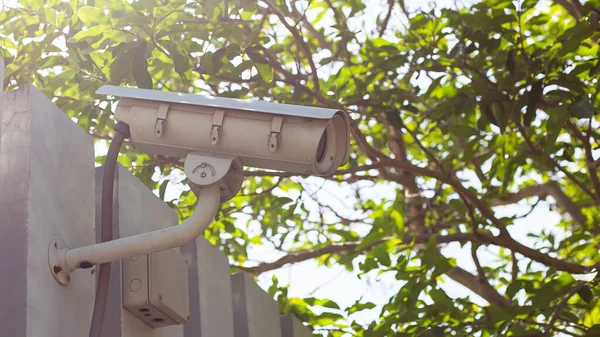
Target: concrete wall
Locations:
point(46, 192)
point(210, 299)
point(136, 210)
point(49, 189)
point(255, 313)
point(293, 327)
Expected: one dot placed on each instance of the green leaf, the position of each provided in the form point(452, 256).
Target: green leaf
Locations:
point(182, 62)
point(360, 307)
point(487, 110)
point(513, 288)
point(91, 32)
point(440, 298)
point(503, 328)
point(557, 119)
point(458, 48)
point(262, 65)
point(594, 69)
point(326, 303)
point(140, 67)
point(559, 93)
point(572, 38)
point(328, 318)
point(74, 4)
point(393, 117)
point(50, 14)
point(434, 84)
point(383, 257)
point(374, 235)
point(163, 188)
point(128, 16)
point(90, 15)
point(121, 66)
point(462, 130)
point(584, 108)
point(217, 59)
point(33, 4)
point(586, 294)
point(176, 29)
point(410, 107)
point(398, 220)
point(593, 331)
point(510, 62)
point(532, 102)
point(280, 202)
point(568, 316)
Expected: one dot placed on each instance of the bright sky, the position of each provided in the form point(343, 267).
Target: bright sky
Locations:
point(308, 279)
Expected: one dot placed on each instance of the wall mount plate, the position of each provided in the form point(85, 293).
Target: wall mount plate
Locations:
point(59, 274)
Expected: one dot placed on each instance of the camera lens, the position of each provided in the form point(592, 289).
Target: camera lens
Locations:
point(322, 147)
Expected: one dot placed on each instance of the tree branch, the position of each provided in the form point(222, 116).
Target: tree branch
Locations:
point(554, 163)
point(573, 7)
point(458, 187)
point(483, 238)
point(481, 288)
point(351, 170)
point(560, 306)
point(346, 247)
point(589, 157)
point(411, 189)
point(386, 20)
point(542, 191)
point(537, 256)
point(299, 39)
point(312, 30)
point(504, 239)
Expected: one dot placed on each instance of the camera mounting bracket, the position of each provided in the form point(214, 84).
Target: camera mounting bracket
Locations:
point(205, 170)
point(213, 180)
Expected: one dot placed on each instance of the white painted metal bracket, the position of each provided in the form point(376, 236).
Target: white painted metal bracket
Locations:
point(161, 120)
point(60, 275)
point(202, 170)
point(217, 126)
point(218, 179)
point(67, 260)
point(275, 134)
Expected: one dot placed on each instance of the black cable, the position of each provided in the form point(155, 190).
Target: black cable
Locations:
point(106, 221)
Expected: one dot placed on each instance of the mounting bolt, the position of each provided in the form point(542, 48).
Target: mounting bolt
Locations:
point(160, 298)
point(59, 273)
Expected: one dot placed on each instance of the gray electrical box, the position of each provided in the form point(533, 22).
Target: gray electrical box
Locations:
point(156, 288)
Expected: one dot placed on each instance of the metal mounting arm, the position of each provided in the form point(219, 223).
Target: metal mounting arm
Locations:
point(64, 260)
point(213, 179)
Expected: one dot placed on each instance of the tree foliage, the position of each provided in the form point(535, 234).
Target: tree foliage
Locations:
point(462, 111)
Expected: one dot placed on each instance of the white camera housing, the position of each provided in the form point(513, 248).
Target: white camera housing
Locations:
point(297, 139)
point(217, 136)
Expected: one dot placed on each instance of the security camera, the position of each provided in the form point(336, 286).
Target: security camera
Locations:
point(218, 137)
point(297, 139)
